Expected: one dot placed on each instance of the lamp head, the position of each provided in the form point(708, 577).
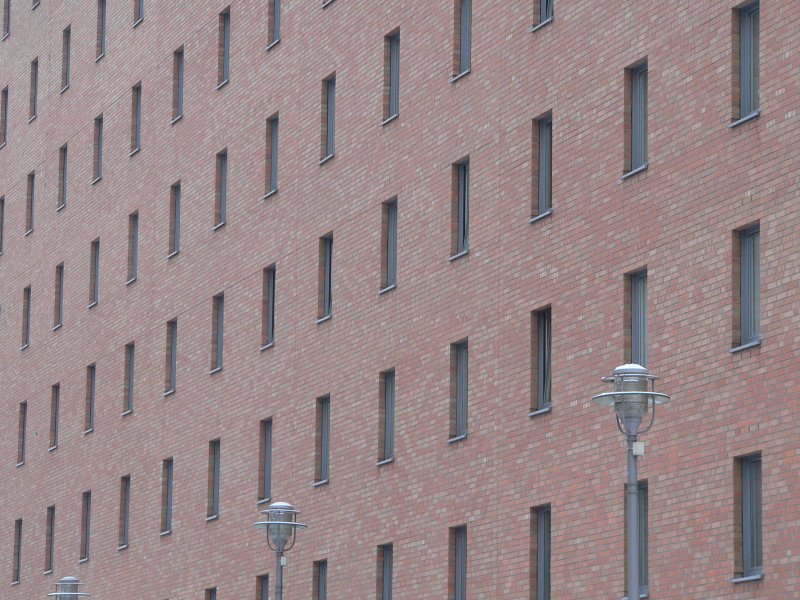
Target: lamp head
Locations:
point(633, 396)
point(281, 525)
point(67, 589)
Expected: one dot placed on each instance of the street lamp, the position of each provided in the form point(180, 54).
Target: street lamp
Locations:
point(281, 528)
point(633, 398)
point(67, 589)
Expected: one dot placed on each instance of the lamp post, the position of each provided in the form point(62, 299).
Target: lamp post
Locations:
point(67, 589)
point(633, 398)
point(281, 527)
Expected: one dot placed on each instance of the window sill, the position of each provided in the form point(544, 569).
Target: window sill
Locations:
point(173, 254)
point(24, 346)
point(57, 326)
point(48, 572)
point(13, 583)
point(165, 533)
point(387, 289)
point(541, 411)
point(460, 76)
point(222, 84)
point(88, 431)
point(61, 207)
point(218, 226)
point(93, 304)
point(215, 370)
point(385, 461)
point(131, 280)
point(459, 255)
point(83, 560)
point(169, 392)
point(31, 119)
point(96, 179)
point(176, 119)
point(267, 346)
point(263, 501)
point(20, 464)
point(541, 215)
point(747, 346)
point(3, 145)
point(269, 194)
point(135, 151)
point(122, 547)
point(28, 232)
point(65, 88)
point(53, 448)
point(388, 120)
point(327, 3)
point(753, 115)
point(99, 57)
point(5, 37)
point(327, 158)
point(458, 438)
point(538, 26)
point(212, 518)
point(635, 171)
point(127, 412)
point(645, 594)
point(321, 482)
point(323, 319)
point(138, 22)
point(273, 44)
point(746, 578)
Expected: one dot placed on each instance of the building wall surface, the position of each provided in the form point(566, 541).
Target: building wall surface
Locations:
point(678, 219)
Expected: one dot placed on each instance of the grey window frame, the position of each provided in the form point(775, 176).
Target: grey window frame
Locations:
point(387, 415)
point(543, 516)
point(3, 116)
point(749, 33)
point(273, 127)
point(22, 433)
point(545, 10)
point(326, 283)
point(224, 50)
point(49, 544)
point(544, 182)
point(644, 538)
point(130, 367)
point(62, 177)
point(6, 18)
point(217, 331)
point(638, 131)
point(16, 566)
point(58, 304)
point(323, 437)
point(461, 208)
point(66, 57)
point(90, 396)
point(385, 571)
point(98, 149)
point(94, 272)
point(265, 460)
point(211, 593)
point(178, 66)
point(752, 517)
point(102, 15)
point(274, 22)
point(390, 244)
point(749, 285)
point(214, 455)
point(86, 526)
point(320, 586)
point(174, 244)
point(330, 117)
point(30, 200)
point(136, 118)
point(262, 587)
point(460, 397)
point(26, 316)
point(34, 92)
point(544, 358)
point(138, 12)
point(459, 564)
point(123, 533)
point(268, 307)
point(2, 220)
point(394, 75)
point(167, 488)
point(464, 47)
point(55, 410)
point(170, 379)
point(638, 317)
point(133, 246)
point(221, 191)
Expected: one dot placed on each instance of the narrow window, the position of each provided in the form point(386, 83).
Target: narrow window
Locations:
point(748, 58)
point(749, 286)
point(274, 18)
point(540, 553)
point(22, 432)
point(458, 563)
point(26, 317)
point(271, 159)
point(167, 466)
point(2, 220)
point(328, 117)
point(460, 209)
point(224, 48)
point(642, 508)
point(458, 390)
point(174, 219)
point(217, 331)
point(221, 189)
point(101, 30)
point(136, 118)
point(268, 308)
point(30, 202)
point(55, 409)
point(462, 38)
point(262, 587)
point(265, 461)
point(94, 273)
point(171, 366)
point(391, 76)
point(6, 18)
point(177, 84)
point(211, 594)
point(58, 305)
point(49, 540)
point(543, 13)
point(212, 503)
point(138, 12)
point(384, 584)
point(322, 439)
point(750, 556)
point(62, 177)
point(34, 97)
point(91, 388)
point(86, 525)
point(541, 360)
point(15, 567)
point(97, 161)
point(127, 400)
point(320, 585)
point(325, 304)
point(542, 166)
point(123, 528)
point(636, 118)
point(66, 51)
point(3, 116)
point(389, 245)
point(386, 414)
point(638, 317)
point(133, 246)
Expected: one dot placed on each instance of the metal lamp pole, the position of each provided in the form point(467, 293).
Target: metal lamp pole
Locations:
point(281, 526)
point(633, 396)
point(67, 589)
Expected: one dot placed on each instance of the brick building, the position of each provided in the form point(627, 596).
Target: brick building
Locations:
point(393, 314)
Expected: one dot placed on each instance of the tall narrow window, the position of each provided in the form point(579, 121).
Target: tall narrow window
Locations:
point(274, 19)
point(221, 189)
point(268, 308)
point(460, 209)
point(540, 553)
point(212, 504)
point(30, 202)
point(3, 116)
point(211, 594)
point(6, 18)
point(2, 220)
point(322, 439)
point(391, 76)
point(386, 413)
point(265, 461)
point(34, 97)
point(389, 246)
point(91, 389)
point(541, 360)
point(62, 177)
point(459, 383)
point(136, 118)
point(458, 563)
point(133, 246)
point(543, 165)
point(325, 304)
point(636, 118)
point(384, 584)
point(22, 432)
point(642, 508)
point(66, 52)
point(167, 466)
point(749, 286)
point(224, 48)
point(328, 117)
point(748, 57)
point(217, 331)
point(177, 84)
point(49, 540)
point(138, 12)
point(127, 399)
point(101, 30)
point(543, 13)
point(271, 159)
point(462, 38)
point(55, 410)
point(638, 317)
point(320, 584)
point(171, 366)
point(123, 527)
point(97, 161)
point(262, 587)
point(26, 317)
point(750, 554)
point(174, 219)
point(15, 566)
point(86, 525)
point(58, 304)
point(94, 273)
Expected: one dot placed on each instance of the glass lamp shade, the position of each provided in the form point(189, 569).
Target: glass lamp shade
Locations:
point(633, 396)
point(67, 589)
point(281, 525)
